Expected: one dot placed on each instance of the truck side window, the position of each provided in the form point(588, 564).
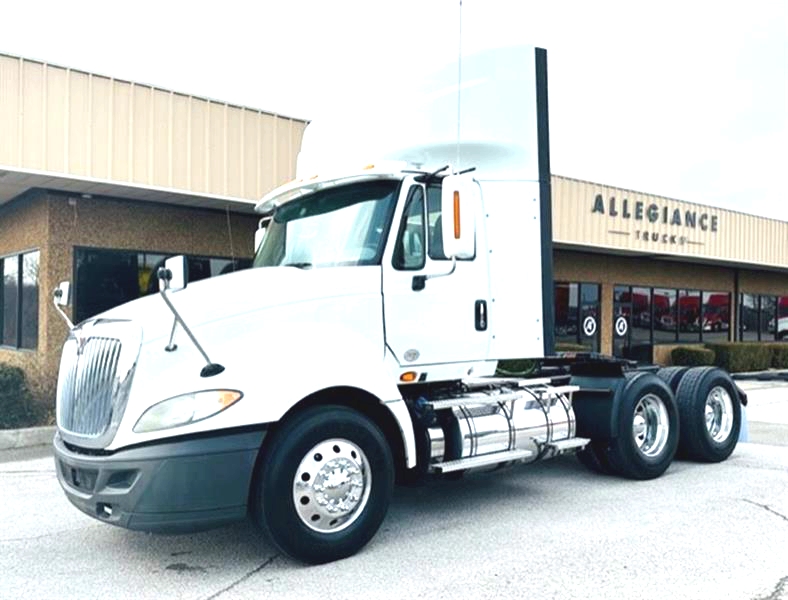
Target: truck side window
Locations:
point(409, 252)
point(434, 219)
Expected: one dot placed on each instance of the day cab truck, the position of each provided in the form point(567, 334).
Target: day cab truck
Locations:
point(362, 347)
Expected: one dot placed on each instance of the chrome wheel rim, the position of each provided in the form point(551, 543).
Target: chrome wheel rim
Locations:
point(650, 425)
point(331, 486)
point(719, 414)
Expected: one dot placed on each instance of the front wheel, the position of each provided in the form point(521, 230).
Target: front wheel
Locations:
point(324, 484)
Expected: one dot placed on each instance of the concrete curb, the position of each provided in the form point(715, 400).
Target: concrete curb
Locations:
point(771, 375)
point(26, 438)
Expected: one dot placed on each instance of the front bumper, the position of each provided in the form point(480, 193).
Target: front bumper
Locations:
point(172, 487)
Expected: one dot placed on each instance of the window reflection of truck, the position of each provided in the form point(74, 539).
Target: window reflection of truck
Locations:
point(565, 314)
point(779, 325)
point(689, 312)
point(355, 352)
point(780, 328)
point(663, 312)
point(640, 307)
point(716, 313)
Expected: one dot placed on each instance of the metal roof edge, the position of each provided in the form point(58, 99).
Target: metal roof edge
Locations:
point(209, 99)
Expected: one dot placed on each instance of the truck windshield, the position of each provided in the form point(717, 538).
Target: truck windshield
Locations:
point(339, 226)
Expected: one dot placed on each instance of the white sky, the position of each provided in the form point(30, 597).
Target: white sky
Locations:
point(687, 99)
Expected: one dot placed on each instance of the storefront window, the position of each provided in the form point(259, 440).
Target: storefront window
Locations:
point(108, 278)
point(748, 317)
point(716, 316)
point(566, 313)
point(645, 316)
point(28, 336)
point(640, 340)
point(577, 314)
point(622, 320)
point(665, 320)
point(782, 318)
point(589, 316)
point(19, 300)
point(10, 299)
point(689, 315)
point(762, 318)
point(768, 320)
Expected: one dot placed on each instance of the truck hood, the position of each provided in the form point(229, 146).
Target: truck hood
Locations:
point(244, 292)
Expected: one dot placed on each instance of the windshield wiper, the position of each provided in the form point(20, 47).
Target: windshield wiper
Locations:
point(299, 265)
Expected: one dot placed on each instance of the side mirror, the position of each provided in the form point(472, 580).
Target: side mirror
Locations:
point(460, 195)
point(259, 235)
point(62, 294)
point(62, 297)
point(172, 276)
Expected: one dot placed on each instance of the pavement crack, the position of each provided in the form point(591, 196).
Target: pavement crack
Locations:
point(185, 568)
point(27, 471)
point(766, 507)
point(44, 535)
point(244, 577)
point(777, 592)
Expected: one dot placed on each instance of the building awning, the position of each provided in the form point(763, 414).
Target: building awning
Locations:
point(14, 182)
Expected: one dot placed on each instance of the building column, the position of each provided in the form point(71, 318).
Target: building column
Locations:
point(606, 319)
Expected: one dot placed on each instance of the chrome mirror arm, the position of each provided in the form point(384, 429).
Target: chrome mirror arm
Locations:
point(56, 296)
point(210, 368)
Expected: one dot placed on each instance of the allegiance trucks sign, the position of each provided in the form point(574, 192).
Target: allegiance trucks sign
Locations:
point(682, 223)
point(654, 213)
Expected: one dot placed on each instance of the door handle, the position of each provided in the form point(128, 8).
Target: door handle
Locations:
point(481, 315)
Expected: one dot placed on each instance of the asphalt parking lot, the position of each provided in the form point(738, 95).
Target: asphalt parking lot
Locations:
point(551, 530)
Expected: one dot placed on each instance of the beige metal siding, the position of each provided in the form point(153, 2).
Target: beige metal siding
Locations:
point(739, 238)
point(10, 118)
point(67, 122)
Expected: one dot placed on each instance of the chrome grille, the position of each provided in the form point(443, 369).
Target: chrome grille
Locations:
point(87, 386)
point(96, 369)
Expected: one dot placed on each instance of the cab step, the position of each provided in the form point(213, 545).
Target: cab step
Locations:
point(564, 446)
point(481, 461)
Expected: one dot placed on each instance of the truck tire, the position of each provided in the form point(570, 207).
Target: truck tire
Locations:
point(710, 415)
point(647, 429)
point(672, 376)
point(324, 484)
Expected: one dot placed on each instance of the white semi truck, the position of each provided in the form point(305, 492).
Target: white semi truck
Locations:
point(362, 347)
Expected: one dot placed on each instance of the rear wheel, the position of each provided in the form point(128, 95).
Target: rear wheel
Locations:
point(647, 423)
point(324, 484)
point(672, 376)
point(710, 415)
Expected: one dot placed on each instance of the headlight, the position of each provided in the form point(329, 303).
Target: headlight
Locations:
point(185, 409)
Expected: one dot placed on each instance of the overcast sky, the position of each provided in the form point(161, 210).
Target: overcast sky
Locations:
point(687, 99)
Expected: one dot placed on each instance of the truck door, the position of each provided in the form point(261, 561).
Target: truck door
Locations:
point(432, 315)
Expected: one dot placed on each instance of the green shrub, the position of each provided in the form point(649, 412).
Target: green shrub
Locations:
point(740, 357)
point(16, 406)
point(691, 356)
point(779, 355)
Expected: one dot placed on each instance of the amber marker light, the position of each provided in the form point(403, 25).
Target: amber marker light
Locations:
point(456, 215)
point(408, 377)
point(227, 397)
